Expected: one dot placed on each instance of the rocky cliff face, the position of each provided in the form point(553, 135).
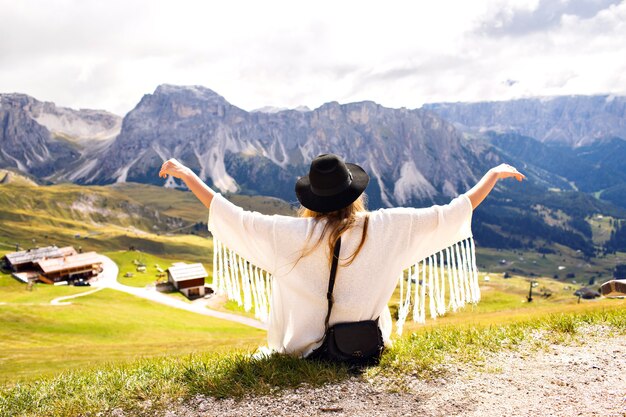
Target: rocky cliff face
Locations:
point(81, 126)
point(568, 120)
point(27, 145)
point(412, 155)
point(42, 139)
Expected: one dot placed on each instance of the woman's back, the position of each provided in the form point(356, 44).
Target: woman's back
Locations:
point(396, 238)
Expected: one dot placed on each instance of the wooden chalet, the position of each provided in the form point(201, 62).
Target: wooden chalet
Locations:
point(615, 288)
point(27, 260)
point(188, 279)
point(52, 264)
point(69, 268)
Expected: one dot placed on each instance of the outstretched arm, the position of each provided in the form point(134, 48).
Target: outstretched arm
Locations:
point(249, 234)
point(478, 192)
point(194, 183)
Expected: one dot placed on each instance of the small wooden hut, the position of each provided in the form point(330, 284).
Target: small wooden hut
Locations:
point(188, 279)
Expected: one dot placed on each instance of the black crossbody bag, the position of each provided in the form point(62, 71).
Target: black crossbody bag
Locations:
point(357, 343)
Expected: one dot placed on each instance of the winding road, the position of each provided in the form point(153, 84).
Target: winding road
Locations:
point(108, 279)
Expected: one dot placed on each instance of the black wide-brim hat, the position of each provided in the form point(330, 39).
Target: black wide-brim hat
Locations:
point(331, 185)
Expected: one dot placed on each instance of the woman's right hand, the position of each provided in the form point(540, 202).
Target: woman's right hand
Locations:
point(174, 168)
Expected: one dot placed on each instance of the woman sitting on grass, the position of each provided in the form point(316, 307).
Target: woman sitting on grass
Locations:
point(375, 248)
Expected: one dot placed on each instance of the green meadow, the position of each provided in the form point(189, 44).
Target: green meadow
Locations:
point(504, 301)
point(39, 339)
point(129, 261)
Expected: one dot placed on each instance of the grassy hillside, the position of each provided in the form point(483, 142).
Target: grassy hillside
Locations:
point(566, 264)
point(148, 218)
point(504, 300)
point(94, 218)
point(151, 386)
point(16, 178)
point(184, 205)
point(38, 339)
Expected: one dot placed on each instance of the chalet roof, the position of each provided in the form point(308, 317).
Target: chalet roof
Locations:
point(69, 262)
point(34, 255)
point(182, 272)
point(68, 251)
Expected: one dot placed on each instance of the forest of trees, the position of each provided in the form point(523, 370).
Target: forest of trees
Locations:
point(617, 242)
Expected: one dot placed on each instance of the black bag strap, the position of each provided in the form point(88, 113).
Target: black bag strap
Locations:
point(331, 282)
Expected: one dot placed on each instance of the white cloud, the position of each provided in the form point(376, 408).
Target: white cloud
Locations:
point(284, 53)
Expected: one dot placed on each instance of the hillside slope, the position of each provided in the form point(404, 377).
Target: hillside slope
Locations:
point(153, 219)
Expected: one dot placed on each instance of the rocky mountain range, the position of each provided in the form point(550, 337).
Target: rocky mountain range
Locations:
point(571, 148)
point(412, 155)
point(566, 120)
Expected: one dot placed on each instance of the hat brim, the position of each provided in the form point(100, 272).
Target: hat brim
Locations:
point(322, 204)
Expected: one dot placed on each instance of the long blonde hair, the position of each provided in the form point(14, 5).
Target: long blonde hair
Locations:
point(336, 224)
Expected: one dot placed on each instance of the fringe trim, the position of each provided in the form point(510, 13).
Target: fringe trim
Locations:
point(456, 266)
point(449, 274)
point(241, 281)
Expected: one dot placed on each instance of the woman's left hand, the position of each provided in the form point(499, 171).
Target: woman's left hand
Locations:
point(174, 168)
point(507, 171)
point(478, 192)
point(196, 185)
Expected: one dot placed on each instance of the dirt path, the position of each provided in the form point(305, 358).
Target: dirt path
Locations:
point(62, 301)
point(108, 279)
point(585, 378)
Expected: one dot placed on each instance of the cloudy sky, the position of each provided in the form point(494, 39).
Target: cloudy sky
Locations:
point(107, 54)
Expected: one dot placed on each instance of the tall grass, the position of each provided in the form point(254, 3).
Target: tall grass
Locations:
point(151, 385)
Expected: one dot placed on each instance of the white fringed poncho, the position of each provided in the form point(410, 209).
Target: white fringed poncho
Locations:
point(429, 250)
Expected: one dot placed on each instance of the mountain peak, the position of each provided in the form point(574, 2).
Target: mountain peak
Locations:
point(16, 99)
point(192, 91)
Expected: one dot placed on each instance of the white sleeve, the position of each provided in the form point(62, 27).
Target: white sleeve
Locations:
point(249, 234)
point(421, 232)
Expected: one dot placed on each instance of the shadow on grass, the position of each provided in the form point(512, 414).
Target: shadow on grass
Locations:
point(239, 375)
